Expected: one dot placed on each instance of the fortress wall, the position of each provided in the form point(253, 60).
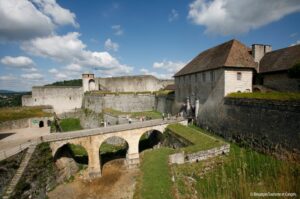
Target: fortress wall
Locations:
point(166, 104)
point(62, 99)
point(121, 102)
point(268, 126)
point(131, 83)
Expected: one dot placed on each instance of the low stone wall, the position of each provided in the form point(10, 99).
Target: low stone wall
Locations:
point(88, 119)
point(14, 124)
point(24, 123)
point(181, 158)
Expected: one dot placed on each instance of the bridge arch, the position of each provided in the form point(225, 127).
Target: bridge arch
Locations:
point(150, 139)
point(112, 148)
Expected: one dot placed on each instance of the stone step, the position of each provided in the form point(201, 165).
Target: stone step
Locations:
point(10, 188)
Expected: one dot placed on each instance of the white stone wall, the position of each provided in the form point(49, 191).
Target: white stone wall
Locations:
point(131, 83)
point(62, 99)
point(232, 84)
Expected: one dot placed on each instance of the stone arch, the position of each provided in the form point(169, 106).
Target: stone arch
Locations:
point(150, 139)
point(112, 148)
point(92, 85)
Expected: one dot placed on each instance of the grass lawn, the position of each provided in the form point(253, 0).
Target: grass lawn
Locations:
point(15, 113)
point(149, 114)
point(70, 124)
point(201, 140)
point(110, 148)
point(155, 181)
point(237, 175)
point(282, 96)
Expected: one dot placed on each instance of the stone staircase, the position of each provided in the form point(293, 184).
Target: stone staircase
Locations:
point(10, 188)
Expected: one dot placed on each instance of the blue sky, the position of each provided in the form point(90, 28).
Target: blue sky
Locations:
point(43, 41)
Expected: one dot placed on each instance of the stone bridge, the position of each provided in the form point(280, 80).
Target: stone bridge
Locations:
point(92, 139)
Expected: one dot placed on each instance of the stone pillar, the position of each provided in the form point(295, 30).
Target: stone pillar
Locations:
point(196, 108)
point(133, 156)
point(94, 167)
point(188, 107)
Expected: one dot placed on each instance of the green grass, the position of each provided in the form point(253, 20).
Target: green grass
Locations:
point(237, 175)
point(155, 181)
point(199, 138)
point(149, 114)
point(109, 148)
point(70, 124)
point(15, 113)
point(78, 150)
point(282, 96)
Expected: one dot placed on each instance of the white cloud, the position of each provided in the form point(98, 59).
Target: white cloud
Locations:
point(23, 19)
point(74, 67)
point(296, 43)
point(59, 15)
point(117, 29)
point(110, 45)
point(173, 15)
point(71, 50)
point(53, 71)
point(227, 17)
point(18, 62)
point(7, 77)
point(169, 66)
point(33, 76)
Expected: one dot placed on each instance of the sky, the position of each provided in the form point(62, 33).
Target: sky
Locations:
point(43, 41)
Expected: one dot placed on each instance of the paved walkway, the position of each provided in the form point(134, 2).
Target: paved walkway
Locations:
point(19, 140)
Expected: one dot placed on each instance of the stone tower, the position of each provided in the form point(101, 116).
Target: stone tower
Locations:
point(88, 82)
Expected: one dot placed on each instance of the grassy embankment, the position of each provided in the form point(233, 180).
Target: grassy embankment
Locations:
point(233, 176)
point(155, 180)
point(148, 114)
point(281, 96)
point(15, 113)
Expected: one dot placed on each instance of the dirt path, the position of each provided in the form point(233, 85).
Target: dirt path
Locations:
point(117, 182)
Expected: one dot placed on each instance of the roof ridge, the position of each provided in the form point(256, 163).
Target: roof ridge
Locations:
point(229, 51)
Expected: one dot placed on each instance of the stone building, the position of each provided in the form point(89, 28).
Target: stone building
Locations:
point(216, 72)
point(232, 67)
point(274, 67)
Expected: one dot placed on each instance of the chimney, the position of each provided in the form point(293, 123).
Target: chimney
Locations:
point(259, 50)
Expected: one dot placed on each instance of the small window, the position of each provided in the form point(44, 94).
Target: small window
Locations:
point(239, 76)
point(35, 100)
point(212, 76)
point(70, 98)
point(203, 77)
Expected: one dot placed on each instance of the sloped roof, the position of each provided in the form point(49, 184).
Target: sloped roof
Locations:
point(279, 60)
point(229, 54)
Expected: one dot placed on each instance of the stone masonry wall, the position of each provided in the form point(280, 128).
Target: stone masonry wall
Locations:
point(268, 126)
point(120, 102)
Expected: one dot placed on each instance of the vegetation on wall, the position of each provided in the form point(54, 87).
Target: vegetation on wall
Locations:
point(15, 113)
point(281, 96)
point(73, 82)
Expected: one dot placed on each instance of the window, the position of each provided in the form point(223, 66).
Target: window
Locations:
point(239, 76)
point(203, 77)
point(212, 76)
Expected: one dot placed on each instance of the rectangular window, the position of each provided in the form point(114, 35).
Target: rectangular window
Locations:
point(239, 76)
point(212, 76)
point(203, 77)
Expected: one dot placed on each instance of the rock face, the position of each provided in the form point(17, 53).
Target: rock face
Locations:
point(67, 167)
